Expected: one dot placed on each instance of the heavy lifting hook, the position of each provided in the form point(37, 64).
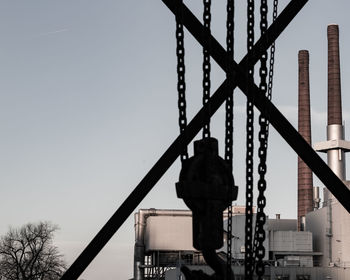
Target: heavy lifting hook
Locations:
point(207, 187)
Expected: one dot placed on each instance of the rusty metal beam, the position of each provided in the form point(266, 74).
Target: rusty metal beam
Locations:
point(168, 158)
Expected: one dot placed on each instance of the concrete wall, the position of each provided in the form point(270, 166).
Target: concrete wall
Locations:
point(316, 223)
point(330, 226)
point(341, 235)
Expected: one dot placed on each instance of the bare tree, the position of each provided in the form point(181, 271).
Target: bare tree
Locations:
point(27, 253)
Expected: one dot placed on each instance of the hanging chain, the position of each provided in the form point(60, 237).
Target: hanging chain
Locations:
point(259, 249)
point(249, 155)
point(229, 121)
point(272, 57)
point(181, 85)
point(206, 64)
point(265, 89)
point(263, 134)
point(229, 99)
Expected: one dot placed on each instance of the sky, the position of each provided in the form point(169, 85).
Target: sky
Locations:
point(88, 103)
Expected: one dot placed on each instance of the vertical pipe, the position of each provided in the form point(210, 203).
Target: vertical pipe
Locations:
point(316, 198)
point(305, 183)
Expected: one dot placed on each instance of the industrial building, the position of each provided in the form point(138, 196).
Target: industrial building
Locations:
point(164, 243)
point(316, 245)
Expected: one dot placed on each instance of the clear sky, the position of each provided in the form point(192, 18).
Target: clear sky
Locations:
point(88, 103)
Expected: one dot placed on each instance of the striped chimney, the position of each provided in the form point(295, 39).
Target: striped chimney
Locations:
point(334, 96)
point(305, 183)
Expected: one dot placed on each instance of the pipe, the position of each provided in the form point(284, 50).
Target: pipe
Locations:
point(336, 157)
point(305, 182)
point(317, 199)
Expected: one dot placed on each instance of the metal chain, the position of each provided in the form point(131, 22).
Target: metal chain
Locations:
point(263, 138)
point(261, 201)
point(229, 121)
point(272, 56)
point(206, 64)
point(181, 85)
point(249, 154)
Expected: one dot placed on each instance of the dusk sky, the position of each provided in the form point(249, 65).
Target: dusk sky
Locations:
point(88, 103)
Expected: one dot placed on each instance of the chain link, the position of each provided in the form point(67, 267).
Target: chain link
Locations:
point(181, 85)
point(229, 121)
point(206, 64)
point(249, 155)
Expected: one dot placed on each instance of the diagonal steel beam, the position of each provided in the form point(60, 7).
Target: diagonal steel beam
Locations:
point(276, 118)
point(174, 150)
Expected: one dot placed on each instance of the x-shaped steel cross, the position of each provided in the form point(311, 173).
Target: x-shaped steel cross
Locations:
point(275, 117)
point(279, 122)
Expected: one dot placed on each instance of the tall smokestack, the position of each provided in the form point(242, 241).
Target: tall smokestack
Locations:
point(305, 183)
point(335, 130)
point(334, 93)
point(335, 146)
point(337, 221)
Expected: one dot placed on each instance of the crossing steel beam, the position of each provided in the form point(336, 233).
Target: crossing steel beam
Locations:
point(275, 117)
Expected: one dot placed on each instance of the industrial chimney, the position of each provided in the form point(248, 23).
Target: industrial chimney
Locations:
point(305, 183)
point(335, 146)
point(337, 221)
point(335, 129)
point(334, 93)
